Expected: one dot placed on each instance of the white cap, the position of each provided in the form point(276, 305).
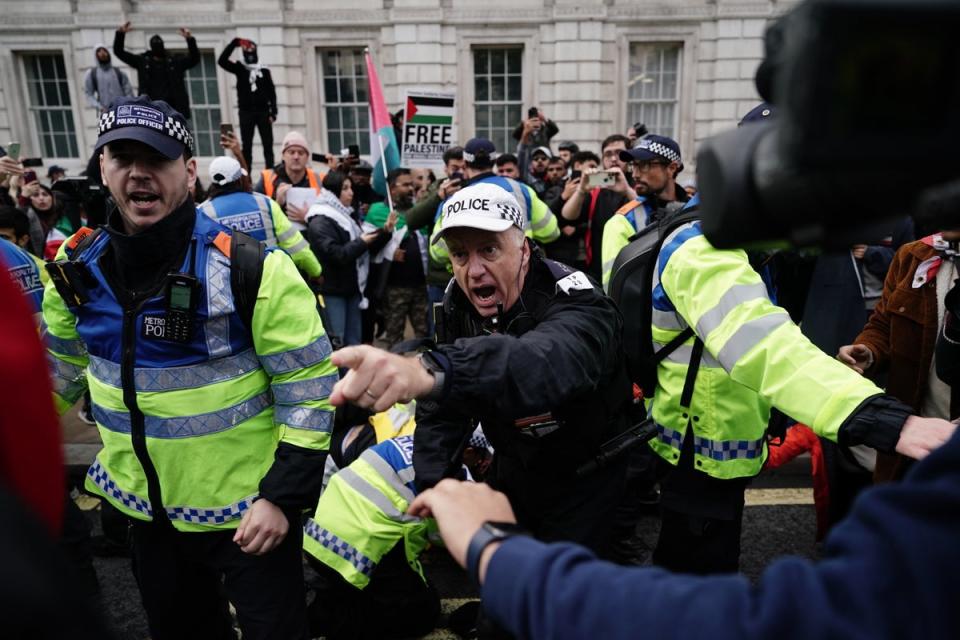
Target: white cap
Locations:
point(481, 206)
point(224, 170)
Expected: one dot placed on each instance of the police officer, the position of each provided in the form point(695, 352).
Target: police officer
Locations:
point(655, 161)
point(368, 550)
point(714, 395)
point(539, 223)
point(531, 350)
point(214, 415)
point(231, 203)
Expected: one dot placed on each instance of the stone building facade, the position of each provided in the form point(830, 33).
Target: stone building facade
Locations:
point(684, 67)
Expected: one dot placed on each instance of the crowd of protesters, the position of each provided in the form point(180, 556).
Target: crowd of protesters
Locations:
point(378, 264)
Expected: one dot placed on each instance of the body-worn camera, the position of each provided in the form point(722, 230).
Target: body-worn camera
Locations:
point(866, 94)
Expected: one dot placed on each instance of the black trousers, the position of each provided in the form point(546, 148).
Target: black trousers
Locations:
point(555, 508)
point(701, 517)
point(260, 120)
point(185, 580)
point(397, 603)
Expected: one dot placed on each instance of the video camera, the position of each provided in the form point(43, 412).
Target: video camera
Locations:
point(866, 131)
point(82, 194)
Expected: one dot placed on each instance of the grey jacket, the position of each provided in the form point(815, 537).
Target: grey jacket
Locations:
point(104, 83)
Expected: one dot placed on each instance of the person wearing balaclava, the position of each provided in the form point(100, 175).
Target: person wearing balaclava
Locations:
point(256, 96)
point(161, 73)
point(104, 83)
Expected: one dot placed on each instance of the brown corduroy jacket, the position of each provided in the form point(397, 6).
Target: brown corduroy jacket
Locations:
point(902, 334)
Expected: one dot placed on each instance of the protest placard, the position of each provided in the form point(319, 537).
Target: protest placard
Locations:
point(427, 128)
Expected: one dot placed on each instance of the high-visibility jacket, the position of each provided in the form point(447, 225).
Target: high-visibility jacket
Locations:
point(261, 217)
point(617, 231)
point(27, 271)
point(754, 358)
point(270, 178)
point(207, 415)
point(541, 224)
point(362, 515)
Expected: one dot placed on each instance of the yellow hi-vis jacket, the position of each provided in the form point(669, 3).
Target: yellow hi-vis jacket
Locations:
point(754, 358)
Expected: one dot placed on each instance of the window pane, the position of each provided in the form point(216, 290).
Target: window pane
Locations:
point(481, 61)
point(49, 100)
point(498, 61)
point(205, 114)
point(498, 93)
point(345, 98)
point(482, 86)
point(514, 90)
point(653, 81)
point(347, 93)
point(514, 61)
point(498, 90)
point(513, 116)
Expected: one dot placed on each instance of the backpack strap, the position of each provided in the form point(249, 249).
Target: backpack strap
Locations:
point(588, 238)
point(246, 271)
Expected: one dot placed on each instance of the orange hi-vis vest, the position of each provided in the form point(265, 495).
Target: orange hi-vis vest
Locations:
point(270, 177)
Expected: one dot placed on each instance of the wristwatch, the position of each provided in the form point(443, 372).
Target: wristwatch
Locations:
point(435, 369)
point(486, 535)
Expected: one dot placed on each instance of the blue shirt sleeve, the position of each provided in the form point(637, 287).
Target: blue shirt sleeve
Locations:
point(889, 571)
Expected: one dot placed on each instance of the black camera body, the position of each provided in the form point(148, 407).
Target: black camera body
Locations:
point(866, 93)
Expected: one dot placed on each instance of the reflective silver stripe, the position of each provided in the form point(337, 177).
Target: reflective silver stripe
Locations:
point(669, 320)
point(304, 417)
point(286, 361)
point(103, 480)
point(185, 426)
point(669, 437)
point(542, 222)
point(303, 390)
point(286, 235)
point(211, 515)
point(734, 296)
point(219, 305)
point(62, 345)
point(264, 204)
point(371, 493)
point(207, 207)
point(388, 473)
point(723, 450)
point(185, 377)
point(683, 353)
point(748, 336)
point(297, 248)
point(68, 379)
point(341, 547)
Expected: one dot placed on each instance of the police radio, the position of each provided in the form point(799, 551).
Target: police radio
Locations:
point(182, 299)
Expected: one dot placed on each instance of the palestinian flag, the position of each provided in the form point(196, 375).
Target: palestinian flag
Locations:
point(383, 142)
point(429, 110)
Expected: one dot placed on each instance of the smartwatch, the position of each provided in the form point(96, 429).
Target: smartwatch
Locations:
point(435, 369)
point(486, 535)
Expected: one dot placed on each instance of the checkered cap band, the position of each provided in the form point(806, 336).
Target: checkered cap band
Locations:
point(662, 150)
point(172, 127)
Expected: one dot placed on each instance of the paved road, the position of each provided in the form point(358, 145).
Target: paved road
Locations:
point(779, 521)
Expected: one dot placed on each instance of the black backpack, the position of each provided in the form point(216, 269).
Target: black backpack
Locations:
point(631, 284)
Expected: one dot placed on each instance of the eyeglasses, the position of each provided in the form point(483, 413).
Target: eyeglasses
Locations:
point(646, 165)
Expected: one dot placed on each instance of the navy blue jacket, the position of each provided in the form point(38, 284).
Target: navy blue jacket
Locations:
point(890, 570)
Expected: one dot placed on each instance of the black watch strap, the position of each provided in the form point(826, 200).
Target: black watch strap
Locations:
point(486, 535)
